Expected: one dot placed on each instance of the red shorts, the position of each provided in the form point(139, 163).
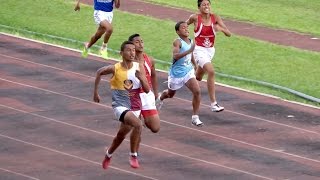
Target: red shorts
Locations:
point(147, 113)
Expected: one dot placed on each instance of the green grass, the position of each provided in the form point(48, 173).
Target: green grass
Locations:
point(297, 15)
point(239, 56)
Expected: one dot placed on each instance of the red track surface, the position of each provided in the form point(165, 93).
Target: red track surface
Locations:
point(51, 129)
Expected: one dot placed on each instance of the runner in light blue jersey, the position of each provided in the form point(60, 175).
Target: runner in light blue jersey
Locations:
point(182, 71)
point(182, 66)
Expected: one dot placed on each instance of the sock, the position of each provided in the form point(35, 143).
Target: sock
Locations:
point(214, 103)
point(194, 116)
point(109, 155)
point(133, 154)
point(104, 45)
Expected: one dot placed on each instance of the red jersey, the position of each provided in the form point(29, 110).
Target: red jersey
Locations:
point(205, 35)
point(147, 67)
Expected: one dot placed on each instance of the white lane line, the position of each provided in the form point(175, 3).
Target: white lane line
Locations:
point(261, 119)
point(111, 136)
point(233, 112)
point(20, 174)
point(73, 156)
point(182, 126)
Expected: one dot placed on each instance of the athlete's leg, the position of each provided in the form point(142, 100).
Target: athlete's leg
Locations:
point(168, 93)
point(193, 86)
point(152, 122)
point(131, 120)
point(208, 68)
point(108, 30)
point(149, 111)
point(199, 73)
point(100, 31)
point(121, 135)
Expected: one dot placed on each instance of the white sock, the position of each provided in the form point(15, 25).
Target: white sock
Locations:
point(214, 103)
point(133, 154)
point(109, 155)
point(104, 45)
point(194, 116)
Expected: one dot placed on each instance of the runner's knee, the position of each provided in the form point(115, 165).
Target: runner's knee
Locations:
point(196, 92)
point(155, 129)
point(109, 31)
point(210, 73)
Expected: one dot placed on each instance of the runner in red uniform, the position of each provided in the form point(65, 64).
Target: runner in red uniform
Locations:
point(148, 110)
point(206, 24)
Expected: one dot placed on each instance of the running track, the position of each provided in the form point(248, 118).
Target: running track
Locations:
point(51, 129)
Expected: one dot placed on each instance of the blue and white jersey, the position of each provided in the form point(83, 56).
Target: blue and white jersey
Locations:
point(103, 5)
point(183, 66)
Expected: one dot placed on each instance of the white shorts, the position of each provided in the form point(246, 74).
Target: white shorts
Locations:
point(148, 101)
point(101, 16)
point(203, 55)
point(119, 110)
point(177, 83)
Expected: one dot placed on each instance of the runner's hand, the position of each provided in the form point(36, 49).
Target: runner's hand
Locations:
point(77, 7)
point(138, 74)
point(96, 98)
point(193, 45)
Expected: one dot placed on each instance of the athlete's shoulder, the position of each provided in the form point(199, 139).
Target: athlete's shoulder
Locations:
point(177, 42)
point(147, 57)
point(193, 18)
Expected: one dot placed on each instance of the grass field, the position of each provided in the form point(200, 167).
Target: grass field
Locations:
point(297, 15)
point(240, 56)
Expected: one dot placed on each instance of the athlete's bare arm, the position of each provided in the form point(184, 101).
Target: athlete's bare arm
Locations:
point(117, 3)
point(193, 61)
point(176, 50)
point(143, 80)
point(102, 71)
point(193, 19)
point(221, 26)
point(154, 79)
point(77, 7)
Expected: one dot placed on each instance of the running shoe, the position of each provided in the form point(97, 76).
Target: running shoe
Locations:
point(196, 121)
point(134, 163)
point(215, 107)
point(159, 103)
point(85, 51)
point(104, 52)
point(106, 162)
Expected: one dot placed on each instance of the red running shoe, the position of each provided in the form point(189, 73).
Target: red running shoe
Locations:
point(133, 160)
point(106, 162)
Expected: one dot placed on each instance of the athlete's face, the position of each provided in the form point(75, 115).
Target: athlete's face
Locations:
point(205, 7)
point(128, 53)
point(138, 42)
point(183, 30)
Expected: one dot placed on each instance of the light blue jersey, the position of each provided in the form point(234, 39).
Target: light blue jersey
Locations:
point(183, 66)
point(103, 5)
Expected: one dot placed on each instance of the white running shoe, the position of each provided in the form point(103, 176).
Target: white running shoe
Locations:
point(159, 103)
point(196, 121)
point(215, 107)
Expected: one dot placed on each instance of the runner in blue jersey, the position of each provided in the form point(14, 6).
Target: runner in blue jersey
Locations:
point(182, 71)
point(103, 15)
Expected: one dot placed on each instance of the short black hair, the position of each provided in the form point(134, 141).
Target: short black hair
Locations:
point(200, 1)
point(133, 36)
point(123, 45)
point(177, 26)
